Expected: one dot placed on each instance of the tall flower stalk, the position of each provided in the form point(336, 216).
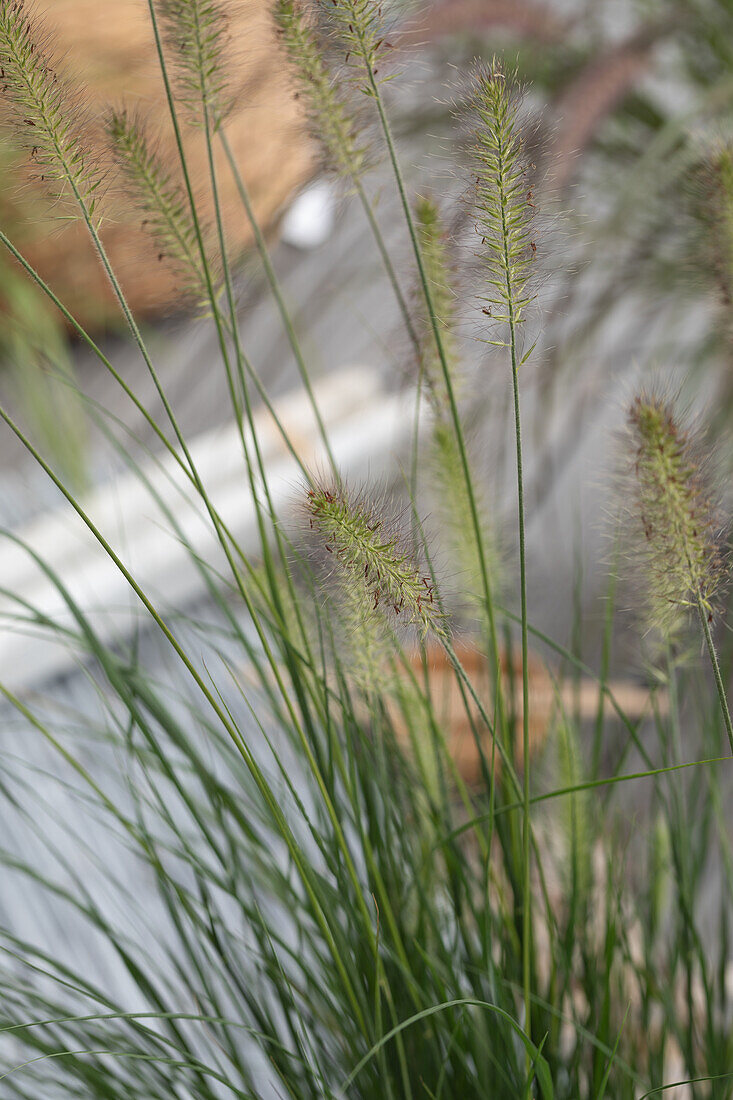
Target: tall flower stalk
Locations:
point(500, 175)
point(504, 208)
point(359, 20)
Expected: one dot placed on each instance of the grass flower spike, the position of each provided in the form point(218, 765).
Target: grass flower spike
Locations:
point(434, 245)
point(331, 119)
point(197, 35)
point(681, 541)
point(452, 503)
point(504, 209)
point(49, 119)
point(363, 34)
point(682, 545)
point(161, 199)
point(366, 546)
point(504, 198)
point(335, 123)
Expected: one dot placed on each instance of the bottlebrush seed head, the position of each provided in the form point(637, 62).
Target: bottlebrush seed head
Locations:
point(363, 34)
point(51, 120)
point(504, 198)
point(365, 546)
point(197, 34)
point(161, 199)
point(681, 544)
point(331, 117)
point(441, 277)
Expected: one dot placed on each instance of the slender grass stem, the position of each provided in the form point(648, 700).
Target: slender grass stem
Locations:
point(274, 587)
point(146, 414)
point(526, 911)
point(387, 263)
point(526, 834)
point(90, 343)
point(338, 829)
point(218, 320)
point(434, 323)
point(242, 361)
point(143, 350)
point(445, 368)
point(137, 336)
point(218, 709)
point(277, 293)
point(506, 759)
point(71, 177)
point(526, 905)
point(722, 697)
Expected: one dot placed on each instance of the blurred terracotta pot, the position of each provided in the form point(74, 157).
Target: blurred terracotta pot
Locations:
point(547, 700)
point(109, 49)
point(456, 719)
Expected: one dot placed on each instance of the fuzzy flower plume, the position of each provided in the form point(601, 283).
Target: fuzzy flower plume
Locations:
point(725, 176)
point(161, 199)
point(330, 118)
point(682, 547)
point(721, 219)
point(503, 196)
point(440, 275)
point(363, 35)
point(50, 120)
point(370, 553)
point(197, 35)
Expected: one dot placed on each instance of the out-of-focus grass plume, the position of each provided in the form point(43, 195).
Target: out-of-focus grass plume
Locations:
point(197, 36)
point(447, 482)
point(677, 529)
point(331, 118)
point(162, 199)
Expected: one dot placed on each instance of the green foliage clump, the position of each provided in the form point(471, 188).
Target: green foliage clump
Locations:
point(334, 905)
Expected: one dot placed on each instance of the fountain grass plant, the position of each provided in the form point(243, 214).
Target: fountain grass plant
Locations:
point(307, 903)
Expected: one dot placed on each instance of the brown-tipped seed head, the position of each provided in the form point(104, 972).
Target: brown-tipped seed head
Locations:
point(49, 118)
point(681, 544)
point(364, 545)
